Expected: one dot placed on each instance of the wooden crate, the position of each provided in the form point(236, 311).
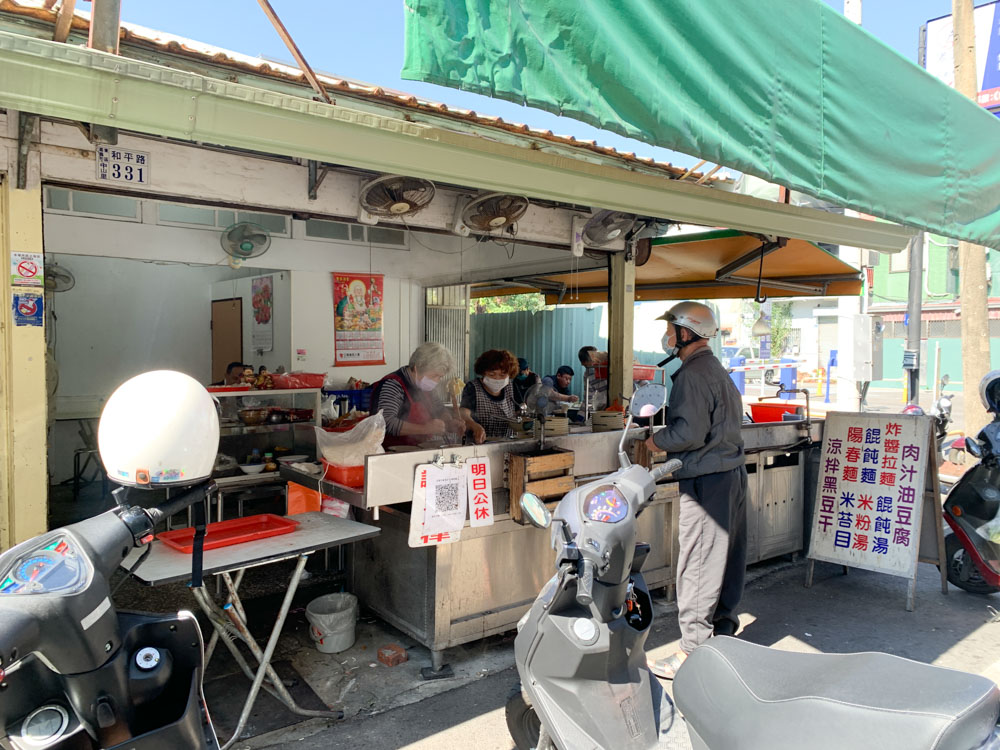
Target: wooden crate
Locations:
point(547, 474)
point(644, 457)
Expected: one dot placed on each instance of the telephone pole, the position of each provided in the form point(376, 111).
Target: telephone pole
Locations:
point(973, 290)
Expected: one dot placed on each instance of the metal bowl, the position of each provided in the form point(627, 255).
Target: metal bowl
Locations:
point(251, 417)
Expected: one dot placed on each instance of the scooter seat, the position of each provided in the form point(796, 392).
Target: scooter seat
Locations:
point(735, 694)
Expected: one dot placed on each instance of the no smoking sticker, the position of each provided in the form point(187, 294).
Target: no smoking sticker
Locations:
point(29, 309)
point(26, 269)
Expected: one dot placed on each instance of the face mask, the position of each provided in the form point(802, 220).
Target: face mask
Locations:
point(426, 384)
point(495, 384)
point(522, 376)
point(667, 349)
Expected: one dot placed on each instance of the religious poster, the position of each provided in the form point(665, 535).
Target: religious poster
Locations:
point(262, 304)
point(870, 494)
point(358, 335)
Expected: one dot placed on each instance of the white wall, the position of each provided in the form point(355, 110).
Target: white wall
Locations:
point(312, 326)
point(121, 318)
point(281, 317)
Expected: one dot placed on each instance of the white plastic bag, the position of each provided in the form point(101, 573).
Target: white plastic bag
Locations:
point(350, 448)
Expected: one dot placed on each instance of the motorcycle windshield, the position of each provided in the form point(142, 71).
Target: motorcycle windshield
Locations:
point(975, 504)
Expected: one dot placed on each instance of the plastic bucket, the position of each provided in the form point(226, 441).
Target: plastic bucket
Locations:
point(331, 621)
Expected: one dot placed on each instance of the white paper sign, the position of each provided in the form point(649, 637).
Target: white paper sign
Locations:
point(437, 514)
point(27, 269)
point(122, 165)
point(870, 493)
point(480, 492)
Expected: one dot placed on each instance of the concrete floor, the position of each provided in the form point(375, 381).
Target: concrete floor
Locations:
point(393, 708)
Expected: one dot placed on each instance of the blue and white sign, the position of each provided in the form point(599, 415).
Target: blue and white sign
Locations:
point(122, 165)
point(939, 59)
point(29, 308)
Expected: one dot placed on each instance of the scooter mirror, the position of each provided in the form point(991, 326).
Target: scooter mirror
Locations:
point(973, 447)
point(945, 379)
point(648, 400)
point(536, 511)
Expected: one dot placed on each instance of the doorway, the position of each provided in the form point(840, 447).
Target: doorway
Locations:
point(227, 335)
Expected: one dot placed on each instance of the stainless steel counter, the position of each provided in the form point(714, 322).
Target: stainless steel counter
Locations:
point(455, 593)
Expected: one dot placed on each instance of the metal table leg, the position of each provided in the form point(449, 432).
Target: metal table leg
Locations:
point(236, 615)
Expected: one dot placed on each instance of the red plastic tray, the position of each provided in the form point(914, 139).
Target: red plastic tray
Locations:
point(227, 388)
point(235, 531)
point(639, 372)
point(349, 476)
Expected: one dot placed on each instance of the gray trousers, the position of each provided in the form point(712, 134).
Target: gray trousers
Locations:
point(712, 533)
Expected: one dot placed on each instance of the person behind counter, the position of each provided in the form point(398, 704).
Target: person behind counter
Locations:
point(524, 381)
point(404, 397)
point(560, 383)
point(234, 374)
point(488, 401)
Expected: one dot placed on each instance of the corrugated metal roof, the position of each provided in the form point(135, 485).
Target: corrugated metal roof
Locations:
point(168, 43)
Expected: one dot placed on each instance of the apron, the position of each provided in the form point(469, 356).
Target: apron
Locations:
point(490, 413)
point(417, 414)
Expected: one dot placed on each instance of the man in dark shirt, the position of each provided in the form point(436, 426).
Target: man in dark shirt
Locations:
point(703, 430)
point(524, 380)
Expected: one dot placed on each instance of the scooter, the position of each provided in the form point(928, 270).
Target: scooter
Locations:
point(74, 673)
point(584, 682)
point(972, 509)
point(580, 648)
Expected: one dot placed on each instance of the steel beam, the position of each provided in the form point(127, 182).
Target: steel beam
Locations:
point(61, 81)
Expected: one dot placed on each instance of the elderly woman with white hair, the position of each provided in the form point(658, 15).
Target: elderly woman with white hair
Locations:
point(404, 397)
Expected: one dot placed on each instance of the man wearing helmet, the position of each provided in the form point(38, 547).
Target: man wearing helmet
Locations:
point(704, 419)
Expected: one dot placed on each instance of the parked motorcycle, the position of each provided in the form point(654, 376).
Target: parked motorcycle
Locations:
point(580, 655)
point(74, 673)
point(580, 649)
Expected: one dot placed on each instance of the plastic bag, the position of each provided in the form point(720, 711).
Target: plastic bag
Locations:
point(350, 448)
point(298, 380)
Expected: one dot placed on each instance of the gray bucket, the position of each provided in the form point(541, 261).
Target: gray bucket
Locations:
point(331, 621)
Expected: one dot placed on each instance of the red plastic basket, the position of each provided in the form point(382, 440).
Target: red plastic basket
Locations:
point(349, 476)
point(639, 372)
point(235, 531)
point(772, 412)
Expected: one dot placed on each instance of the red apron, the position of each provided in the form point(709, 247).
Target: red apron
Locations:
point(417, 414)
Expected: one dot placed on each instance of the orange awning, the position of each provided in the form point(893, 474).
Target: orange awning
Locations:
point(710, 265)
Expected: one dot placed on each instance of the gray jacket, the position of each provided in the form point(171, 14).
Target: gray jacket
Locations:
point(704, 418)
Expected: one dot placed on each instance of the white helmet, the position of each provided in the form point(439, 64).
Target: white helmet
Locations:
point(990, 396)
point(694, 316)
point(159, 429)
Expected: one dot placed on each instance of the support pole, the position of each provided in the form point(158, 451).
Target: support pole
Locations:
point(23, 393)
point(621, 319)
point(105, 28)
point(913, 311)
point(973, 290)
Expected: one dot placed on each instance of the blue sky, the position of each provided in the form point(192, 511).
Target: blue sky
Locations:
point(364, 41)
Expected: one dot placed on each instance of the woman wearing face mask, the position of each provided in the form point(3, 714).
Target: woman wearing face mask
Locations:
point(488, 401)
point(404, 397)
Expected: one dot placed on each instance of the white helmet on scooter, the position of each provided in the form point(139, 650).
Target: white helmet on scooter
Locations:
point(989, 391)
point(159, 429)
point(694, 316)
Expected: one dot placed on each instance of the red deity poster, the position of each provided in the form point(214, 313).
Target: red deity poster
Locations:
point(357, 308)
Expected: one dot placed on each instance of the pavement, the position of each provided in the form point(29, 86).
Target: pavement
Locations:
point(860, 611)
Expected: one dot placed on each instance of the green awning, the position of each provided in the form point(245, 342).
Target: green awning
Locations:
point(787, 90)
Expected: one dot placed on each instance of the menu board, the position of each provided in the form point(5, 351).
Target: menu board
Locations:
point(870, 494)
point(358, 334)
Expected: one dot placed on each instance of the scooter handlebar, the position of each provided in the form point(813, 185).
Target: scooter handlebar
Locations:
point(662, 470)
point(585, 586)
point(181, 502)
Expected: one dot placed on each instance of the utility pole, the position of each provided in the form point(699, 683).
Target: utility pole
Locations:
point(971, 258)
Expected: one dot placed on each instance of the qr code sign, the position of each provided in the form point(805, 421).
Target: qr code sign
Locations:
point(446, 498)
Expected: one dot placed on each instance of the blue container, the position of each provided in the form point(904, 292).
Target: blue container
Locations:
point(360, 399)
point(789, 377)
point(739, 378)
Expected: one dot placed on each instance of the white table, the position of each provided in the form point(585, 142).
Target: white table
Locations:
point(316, 531)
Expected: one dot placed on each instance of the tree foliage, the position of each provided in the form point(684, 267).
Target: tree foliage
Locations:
point(508, 303)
